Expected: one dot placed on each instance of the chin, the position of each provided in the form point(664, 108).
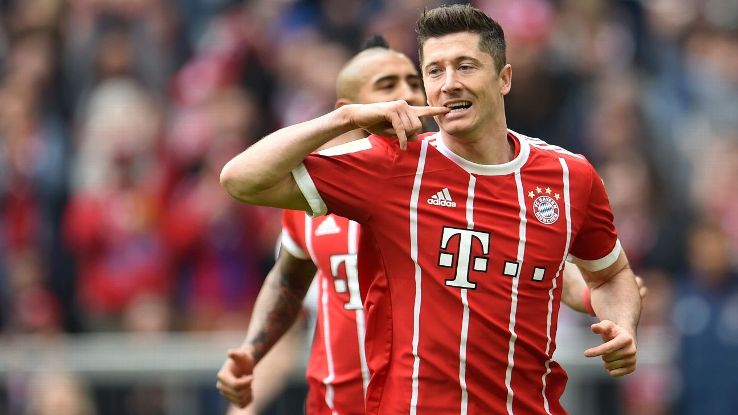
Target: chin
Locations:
point(454, 128)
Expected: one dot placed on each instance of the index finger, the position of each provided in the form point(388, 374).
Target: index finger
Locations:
point(429, 111)
point(615, 344)
point(399, 128)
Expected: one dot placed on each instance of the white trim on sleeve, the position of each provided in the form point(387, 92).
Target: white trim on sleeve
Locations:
point(347, 148)
point(308, 189)
point(602, 263)
point(292, 247)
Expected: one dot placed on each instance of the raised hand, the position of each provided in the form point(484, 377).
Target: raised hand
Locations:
point(619, 350)
point(235, 377)
point(396, 119)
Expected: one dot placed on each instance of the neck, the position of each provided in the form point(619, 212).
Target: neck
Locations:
point(492, 147)
point(344, 138)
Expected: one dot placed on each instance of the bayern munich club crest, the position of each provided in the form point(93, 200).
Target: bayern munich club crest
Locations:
point(545, 206)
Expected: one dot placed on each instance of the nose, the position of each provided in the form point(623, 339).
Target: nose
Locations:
point(450, 82)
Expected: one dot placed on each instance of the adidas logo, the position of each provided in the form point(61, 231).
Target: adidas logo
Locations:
point(327, 227)
point(442, 198)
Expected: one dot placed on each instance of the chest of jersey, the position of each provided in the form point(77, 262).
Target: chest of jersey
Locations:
point(478, 231)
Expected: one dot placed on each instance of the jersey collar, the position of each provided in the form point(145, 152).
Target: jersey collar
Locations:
point(488, 169)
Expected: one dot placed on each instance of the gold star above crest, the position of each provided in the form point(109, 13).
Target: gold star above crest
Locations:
point(531, 194)
point(548, 190)
point(556, 195)
point(538, 190)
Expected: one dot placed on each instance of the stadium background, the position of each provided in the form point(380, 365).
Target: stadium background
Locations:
point(125, 270)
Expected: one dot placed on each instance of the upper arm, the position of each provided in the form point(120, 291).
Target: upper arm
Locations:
point(595, 246)
point(283, 194)
point(299, 272)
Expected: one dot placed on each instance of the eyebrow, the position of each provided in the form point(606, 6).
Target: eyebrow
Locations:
point(459, 59)
point(395, 78)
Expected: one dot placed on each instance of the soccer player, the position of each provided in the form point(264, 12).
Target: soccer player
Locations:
point(337, 371)
point(464, 233)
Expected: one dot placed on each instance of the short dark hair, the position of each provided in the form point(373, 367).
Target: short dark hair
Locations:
point(375, 41)
point(448, 19)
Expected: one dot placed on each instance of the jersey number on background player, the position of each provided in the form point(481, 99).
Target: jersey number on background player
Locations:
point(351, 283)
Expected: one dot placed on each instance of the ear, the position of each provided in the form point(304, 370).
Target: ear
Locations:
point(505, 79)
point(341, 102)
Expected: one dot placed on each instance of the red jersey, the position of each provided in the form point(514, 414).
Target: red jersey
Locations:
point(337, 371)
point(462, 266)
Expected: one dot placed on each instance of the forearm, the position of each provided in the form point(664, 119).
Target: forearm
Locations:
point(278, 304)
point(274, 371)
point(618, 300)
point(266, 163)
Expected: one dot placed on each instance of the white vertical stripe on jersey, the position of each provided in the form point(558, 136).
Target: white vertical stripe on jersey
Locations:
point(465, 303)
point(353, 242)
point(418, 276)
point(514, 293)
point(567, 210)
point(328, 380)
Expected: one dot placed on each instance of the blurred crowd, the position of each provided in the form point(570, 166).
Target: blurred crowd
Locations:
point(117, 115)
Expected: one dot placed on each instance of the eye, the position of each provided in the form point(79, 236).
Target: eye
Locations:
point(386, 86)
point(465, 67)
point(434, 71)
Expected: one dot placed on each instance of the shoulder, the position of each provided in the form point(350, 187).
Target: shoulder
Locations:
point(541, 149)
point(293, 233)
point(293, 218)
point(292, 214)
point(363, 147)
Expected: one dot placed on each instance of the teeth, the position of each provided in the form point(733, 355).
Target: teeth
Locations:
point(459, 105)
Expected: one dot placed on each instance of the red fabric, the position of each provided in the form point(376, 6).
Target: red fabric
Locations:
point(468, 229)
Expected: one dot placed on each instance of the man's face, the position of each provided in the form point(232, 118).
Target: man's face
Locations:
point(457, 74)
point(390, 77)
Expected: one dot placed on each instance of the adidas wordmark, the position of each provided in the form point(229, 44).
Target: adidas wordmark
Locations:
point(442, 198)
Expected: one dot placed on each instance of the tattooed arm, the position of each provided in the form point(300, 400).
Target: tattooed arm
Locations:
point(276, 309)
point(278, 304)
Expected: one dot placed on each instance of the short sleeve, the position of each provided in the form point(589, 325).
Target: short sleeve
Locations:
point(346, 180)
point(293, 233)
point(596, 245)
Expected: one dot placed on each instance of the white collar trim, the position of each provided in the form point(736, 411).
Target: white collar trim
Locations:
point(487, 169)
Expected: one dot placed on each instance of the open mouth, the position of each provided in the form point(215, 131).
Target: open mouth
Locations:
point(459, 106)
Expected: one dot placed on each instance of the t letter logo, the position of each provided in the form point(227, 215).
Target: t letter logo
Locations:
point(351, 283)
point(464, 256)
